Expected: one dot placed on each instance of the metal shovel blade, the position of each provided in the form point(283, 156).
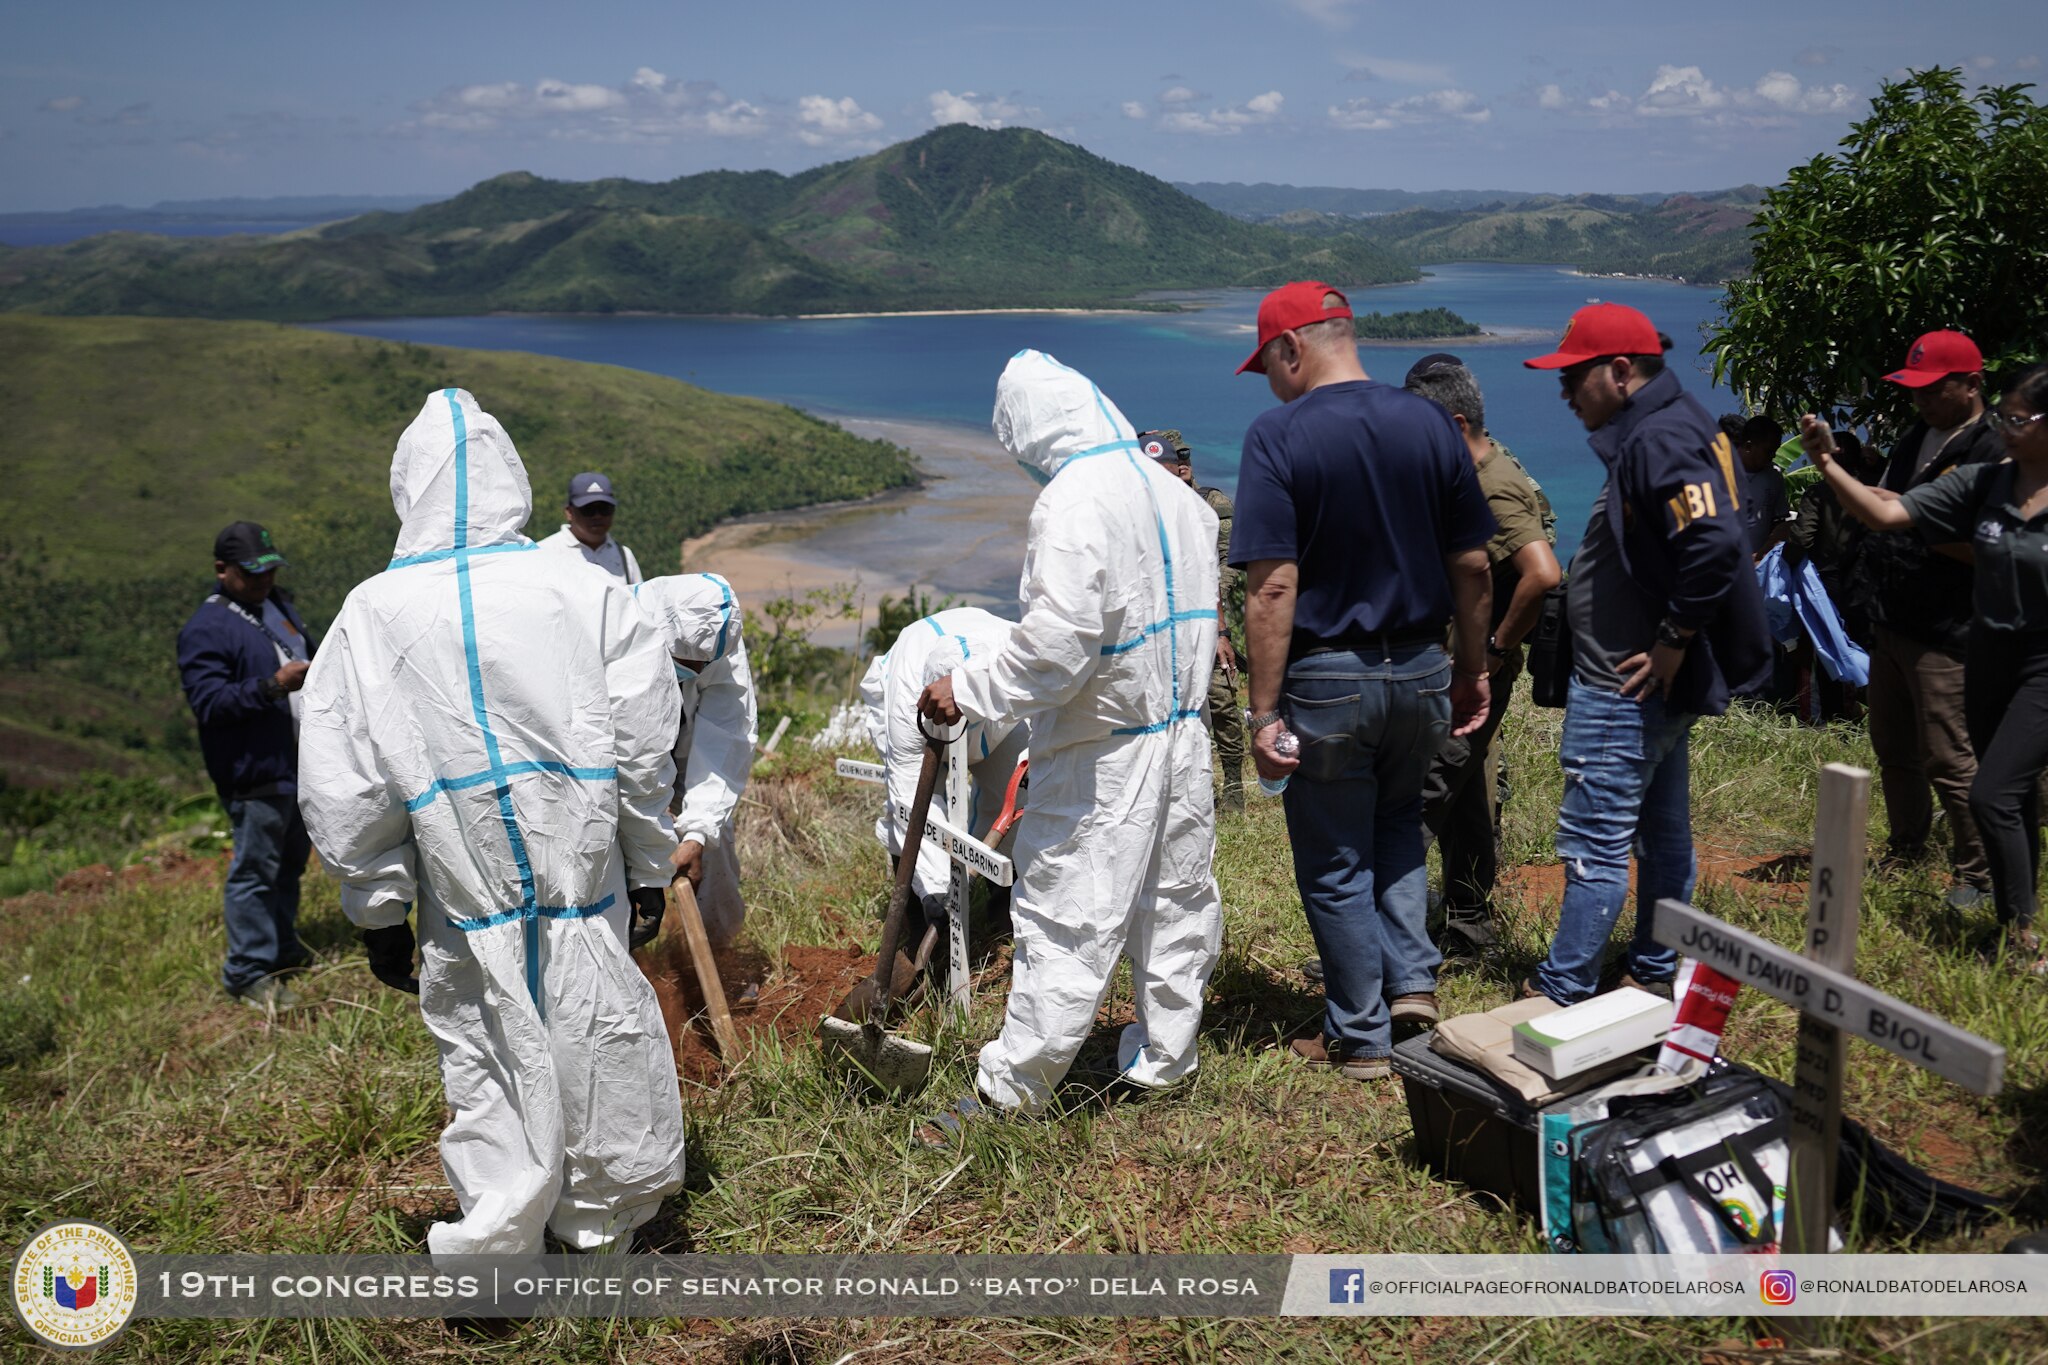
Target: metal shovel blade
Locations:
point(892, 1062)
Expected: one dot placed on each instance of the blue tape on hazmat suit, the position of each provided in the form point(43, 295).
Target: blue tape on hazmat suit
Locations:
point(486, 737)
point(1110, 665)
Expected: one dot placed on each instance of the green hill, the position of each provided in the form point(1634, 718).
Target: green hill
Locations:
point(1701, 239)
point(130, 441)
point(958, 218)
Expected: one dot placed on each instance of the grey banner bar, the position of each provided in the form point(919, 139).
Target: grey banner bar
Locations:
point(709, 1286)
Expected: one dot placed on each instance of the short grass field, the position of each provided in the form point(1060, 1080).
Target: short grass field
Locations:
point(138, 1096)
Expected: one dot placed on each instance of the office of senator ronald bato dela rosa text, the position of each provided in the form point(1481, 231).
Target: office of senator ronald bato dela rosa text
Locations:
point(823, 1286)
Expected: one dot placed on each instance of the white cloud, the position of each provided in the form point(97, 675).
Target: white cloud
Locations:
point(63, 104)
point(1551, 97)
point(1225, 122)
point(983, 111)
point(649, 106)
point(1688, 92)
point(2027, 64)
point(1815, 56)
point(1398, 70)
point(1135, 110)
point(822, 119)
point(1180, 94)
point(1436, 106)
point(1983, 63)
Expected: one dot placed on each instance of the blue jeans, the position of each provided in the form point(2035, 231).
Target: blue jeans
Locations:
point(1369, 723)
point(262, 895)
point(1627, 785)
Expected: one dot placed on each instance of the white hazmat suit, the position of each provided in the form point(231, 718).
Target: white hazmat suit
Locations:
point(1110, 663)
point(923, 652)
point(714, 747)
point(487, 737)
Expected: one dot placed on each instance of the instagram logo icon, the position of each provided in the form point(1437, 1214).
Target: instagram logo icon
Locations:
point(1779, 1287)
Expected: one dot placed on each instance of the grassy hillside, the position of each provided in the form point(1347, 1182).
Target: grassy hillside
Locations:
point(149, 1103)
point(1699, 239)
point(961, 217)
point(129, 442)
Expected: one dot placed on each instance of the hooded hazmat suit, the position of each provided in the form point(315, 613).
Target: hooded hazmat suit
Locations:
point(924, 652)
point(487, 737)
point(1110, 663)
point(699, 617)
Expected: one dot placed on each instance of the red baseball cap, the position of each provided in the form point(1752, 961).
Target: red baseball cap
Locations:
point(1290, 306)
point(1601, 329)
point(1935, 357)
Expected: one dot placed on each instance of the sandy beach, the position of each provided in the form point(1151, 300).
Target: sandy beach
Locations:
point(960, 535)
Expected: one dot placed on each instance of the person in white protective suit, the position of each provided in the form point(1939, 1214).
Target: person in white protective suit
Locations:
point(699, 617)
point(486, 737)
point(1110, 664)
point(923, 652)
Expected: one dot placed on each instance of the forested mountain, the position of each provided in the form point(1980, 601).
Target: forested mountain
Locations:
point(961, 217)
point(1699, 238)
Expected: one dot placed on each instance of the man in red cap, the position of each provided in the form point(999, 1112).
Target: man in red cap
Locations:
point(1920, 604)
point(1363, 527)
point(1667, 622)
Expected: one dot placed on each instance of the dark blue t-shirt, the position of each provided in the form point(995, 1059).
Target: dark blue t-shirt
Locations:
point(1367, 487)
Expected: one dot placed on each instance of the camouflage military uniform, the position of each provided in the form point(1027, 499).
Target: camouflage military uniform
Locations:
point(1226, 717)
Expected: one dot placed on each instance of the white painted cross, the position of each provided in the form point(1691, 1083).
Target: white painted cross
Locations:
point(1821, 984)
point(966, 854)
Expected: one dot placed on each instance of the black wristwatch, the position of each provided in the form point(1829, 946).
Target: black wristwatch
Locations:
point(1668, 633)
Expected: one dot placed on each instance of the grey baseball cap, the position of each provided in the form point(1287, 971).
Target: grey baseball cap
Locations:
point(585, 489)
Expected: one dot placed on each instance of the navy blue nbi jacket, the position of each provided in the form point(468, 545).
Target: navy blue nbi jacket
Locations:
point(247, 738)
point(1678, 523)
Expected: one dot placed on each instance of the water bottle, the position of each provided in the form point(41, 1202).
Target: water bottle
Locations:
point(1288, 746)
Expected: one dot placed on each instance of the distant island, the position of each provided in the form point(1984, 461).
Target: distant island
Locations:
point(959, 218)
point(1421, 324)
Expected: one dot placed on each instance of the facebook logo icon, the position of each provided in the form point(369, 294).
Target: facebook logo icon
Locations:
point(1347, 1286)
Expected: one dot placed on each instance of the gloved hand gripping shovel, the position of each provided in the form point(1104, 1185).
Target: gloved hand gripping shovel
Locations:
point(857, 1031)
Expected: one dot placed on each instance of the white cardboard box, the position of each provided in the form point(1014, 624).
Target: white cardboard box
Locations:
point(1567, 1041)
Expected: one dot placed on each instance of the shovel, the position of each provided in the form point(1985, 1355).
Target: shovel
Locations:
point(707, 972)
point(857, 1032)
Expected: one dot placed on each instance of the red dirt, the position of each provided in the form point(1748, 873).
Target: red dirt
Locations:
point(1780, 877)
point(794, 996)
point(23, 916)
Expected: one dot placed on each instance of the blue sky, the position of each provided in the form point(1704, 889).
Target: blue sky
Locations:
point(133, 103)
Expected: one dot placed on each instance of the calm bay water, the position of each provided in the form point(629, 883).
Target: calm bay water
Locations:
point(1163, 370)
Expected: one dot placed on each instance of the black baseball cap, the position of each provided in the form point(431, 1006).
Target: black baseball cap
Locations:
point(1435, 360)
point(585, 489)
point(1165, 444)
point(249, 545)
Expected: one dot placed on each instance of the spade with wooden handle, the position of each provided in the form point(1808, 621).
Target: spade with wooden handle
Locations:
point(707, 970)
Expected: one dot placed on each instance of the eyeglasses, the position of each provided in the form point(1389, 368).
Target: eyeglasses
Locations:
point(596, 509)
point(1574, 375)
point(2005, 421)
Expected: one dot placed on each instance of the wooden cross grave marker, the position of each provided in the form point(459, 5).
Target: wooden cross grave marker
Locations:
point(1821, 984)
point(967, 855)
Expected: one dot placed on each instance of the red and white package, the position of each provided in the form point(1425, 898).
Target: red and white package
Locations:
point(1704, 998)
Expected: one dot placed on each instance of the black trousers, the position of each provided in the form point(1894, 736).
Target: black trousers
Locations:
point(2005, 699)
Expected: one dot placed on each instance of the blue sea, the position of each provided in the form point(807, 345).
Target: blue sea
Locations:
point(1163, 370)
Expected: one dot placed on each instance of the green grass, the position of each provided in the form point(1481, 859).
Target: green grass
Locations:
point(158, 1108)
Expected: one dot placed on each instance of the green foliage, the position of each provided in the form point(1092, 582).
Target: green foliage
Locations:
point(892, 614)
point(784, 659)
point(959, 218)
point(29, 1018)
point(295, 429)
point(1416, 325)
point(1700, 239)
point(1933, 215)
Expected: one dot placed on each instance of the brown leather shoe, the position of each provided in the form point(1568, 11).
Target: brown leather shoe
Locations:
point(1662, 988)
point(1528, 991)
point(1419, 1008)
point(1313, 1051)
